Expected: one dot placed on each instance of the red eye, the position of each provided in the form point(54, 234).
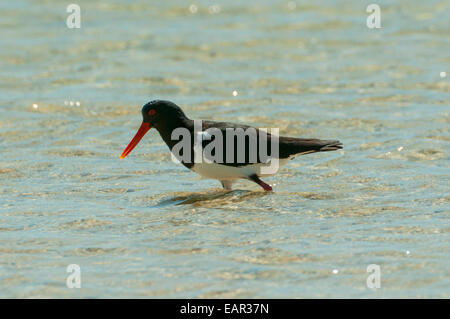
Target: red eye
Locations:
point(151, 112)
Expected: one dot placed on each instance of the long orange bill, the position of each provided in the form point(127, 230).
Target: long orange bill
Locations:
point(139, 134)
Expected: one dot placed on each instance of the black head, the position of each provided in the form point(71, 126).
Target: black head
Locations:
point(159, 113)
point(162, 115)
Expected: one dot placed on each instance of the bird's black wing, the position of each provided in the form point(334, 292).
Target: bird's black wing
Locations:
point(258, 144)
point(235, 145)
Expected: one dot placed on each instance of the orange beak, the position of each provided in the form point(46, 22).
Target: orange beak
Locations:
point(139, 135)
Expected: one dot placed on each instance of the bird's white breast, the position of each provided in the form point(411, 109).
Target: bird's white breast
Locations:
point(226, 172)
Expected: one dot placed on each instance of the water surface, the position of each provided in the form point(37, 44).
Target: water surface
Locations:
point(145, 227)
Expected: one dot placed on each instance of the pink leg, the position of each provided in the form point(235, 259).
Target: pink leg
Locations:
point(265, 186)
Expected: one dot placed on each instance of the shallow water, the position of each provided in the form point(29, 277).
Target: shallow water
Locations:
point(145, 227)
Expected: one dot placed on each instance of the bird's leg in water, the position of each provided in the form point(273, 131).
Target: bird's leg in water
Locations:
point(256, 179)
point(226, 185)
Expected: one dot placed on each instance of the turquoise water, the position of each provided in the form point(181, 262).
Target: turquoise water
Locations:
point(146, 227)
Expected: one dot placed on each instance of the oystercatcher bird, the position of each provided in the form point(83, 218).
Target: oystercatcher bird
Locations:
point(242, 161)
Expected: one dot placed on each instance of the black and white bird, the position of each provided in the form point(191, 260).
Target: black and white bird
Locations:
point(244, 160)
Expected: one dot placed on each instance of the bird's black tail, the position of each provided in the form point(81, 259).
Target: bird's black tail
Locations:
point(330, 146)
point(291, 146)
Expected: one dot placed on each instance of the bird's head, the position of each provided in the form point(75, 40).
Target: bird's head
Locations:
point(159, 114)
